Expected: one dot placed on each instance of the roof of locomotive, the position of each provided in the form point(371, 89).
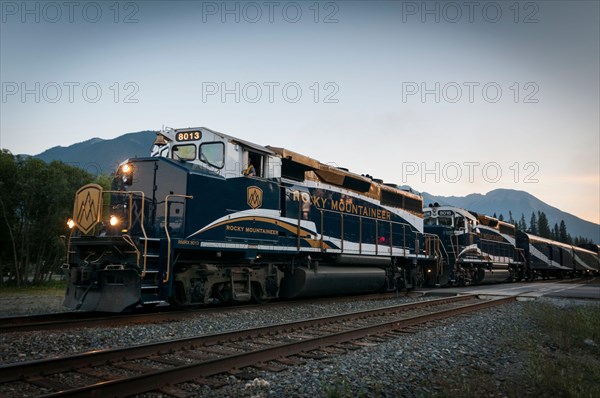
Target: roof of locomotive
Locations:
point(170, 133)
point(317, 171)
point(366, 185)
point(455, 209)
point(584, 250)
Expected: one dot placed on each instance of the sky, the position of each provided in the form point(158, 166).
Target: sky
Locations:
point(450, 98)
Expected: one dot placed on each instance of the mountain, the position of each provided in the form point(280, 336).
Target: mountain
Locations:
point(501, 201)
point(99, 156)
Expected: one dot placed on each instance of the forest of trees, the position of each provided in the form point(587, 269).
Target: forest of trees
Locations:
point(36, 200)
point(539, 225)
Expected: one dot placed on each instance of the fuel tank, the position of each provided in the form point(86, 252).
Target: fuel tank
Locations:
point(331, 280)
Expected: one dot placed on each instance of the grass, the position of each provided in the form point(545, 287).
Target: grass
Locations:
point(567, 361)
point(560, 358)
point(51, 288)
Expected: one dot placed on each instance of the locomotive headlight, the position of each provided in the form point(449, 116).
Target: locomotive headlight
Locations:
point(113, 221)
point(127, 173)
point(71, 223)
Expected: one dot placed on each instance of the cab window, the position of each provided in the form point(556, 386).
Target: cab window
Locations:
point(184, 152)
point(446, 221)
point(459, 222)
point(213, 153)
point(430, 221)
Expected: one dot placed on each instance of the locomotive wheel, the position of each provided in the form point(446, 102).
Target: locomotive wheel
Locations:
point(258, 294)
point(178, 297)
point(443, 280)
point(479, 275)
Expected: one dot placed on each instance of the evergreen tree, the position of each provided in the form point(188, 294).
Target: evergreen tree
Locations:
point(533, 224)
point(495, 216)
point(543, 226)
point(563, 236)
point(522, 224)
point(501, 217)
point(555, 232)
point(580, 240)
point(510, 217)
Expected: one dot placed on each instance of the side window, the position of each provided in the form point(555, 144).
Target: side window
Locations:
point(184, 152)
point(459, 222)
point(213, 153)
point(255, 165)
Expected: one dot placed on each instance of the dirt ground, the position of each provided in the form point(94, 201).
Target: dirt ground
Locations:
point(27, 304)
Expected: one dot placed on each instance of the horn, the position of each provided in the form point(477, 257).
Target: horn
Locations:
point(160, 140)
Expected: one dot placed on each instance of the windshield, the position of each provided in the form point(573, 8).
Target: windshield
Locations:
point(213, 153)
point(184, 152)
point(430, 221)
point(447, 221)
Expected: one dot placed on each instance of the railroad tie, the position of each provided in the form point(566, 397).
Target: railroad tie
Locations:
point(48, 383)
point(270, 368)
point(175, 392)
point(244, 374)
point(168, 361)
point(210, 382)
point(136, 367)
point(290, 361)
point(311, 355)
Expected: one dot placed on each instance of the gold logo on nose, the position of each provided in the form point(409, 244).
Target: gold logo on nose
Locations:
point(88, 205)
point(255, 195)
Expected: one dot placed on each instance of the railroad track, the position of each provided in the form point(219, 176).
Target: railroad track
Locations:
point(73, 320)
point(161, 366)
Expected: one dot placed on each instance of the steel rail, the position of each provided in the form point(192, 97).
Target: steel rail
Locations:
point(71, 320)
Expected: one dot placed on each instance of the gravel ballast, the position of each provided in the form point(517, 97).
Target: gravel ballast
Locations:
point(413, 365)
point(23, 346)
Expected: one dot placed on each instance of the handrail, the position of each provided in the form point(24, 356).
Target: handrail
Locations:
point(521, 255)
point(360, 238)
point(438, 251)
point(299, 224)
point(504, 249)
point(322, 224)
point(69, 246)
point(166, 279)
point(130, 193)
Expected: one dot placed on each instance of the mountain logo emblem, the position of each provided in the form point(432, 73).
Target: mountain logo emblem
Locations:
point(254, 196)
point(88, 205)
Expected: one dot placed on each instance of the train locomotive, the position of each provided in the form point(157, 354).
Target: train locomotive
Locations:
point(481, 248)
point(211, 218)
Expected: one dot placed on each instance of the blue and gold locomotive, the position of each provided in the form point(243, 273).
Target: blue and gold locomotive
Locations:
point(482, 248)
point(212, 218)
point(478, 247)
